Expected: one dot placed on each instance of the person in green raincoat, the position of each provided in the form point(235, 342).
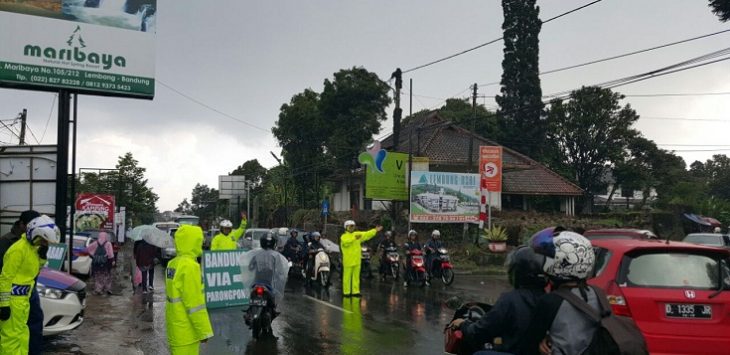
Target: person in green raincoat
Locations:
point(186, 315)
point(352, 257)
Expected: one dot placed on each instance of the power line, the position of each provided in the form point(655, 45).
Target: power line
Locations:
point(679, 94)
point(685, 119)
point(212, 108)
point(494, 40)
point(596, 61)
point(692, 145)
point(53, 104)
point(32, 134)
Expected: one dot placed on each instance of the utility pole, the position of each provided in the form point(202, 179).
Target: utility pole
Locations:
point(470, 154)
point(410, 152)
point(397, 112)
point(23, 118)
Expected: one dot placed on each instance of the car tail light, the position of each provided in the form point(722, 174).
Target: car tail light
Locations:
point(259, 291)
point(616, 299)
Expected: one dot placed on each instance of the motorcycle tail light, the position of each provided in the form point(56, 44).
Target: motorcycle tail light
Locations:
point(259, 291)
point(418, 262)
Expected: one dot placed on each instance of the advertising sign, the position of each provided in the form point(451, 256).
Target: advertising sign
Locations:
point(56, 255)
point(94, 211)
point(222, 278)
point(490, 167)
point(102, 47)
point(385, 173)
point(439, 197)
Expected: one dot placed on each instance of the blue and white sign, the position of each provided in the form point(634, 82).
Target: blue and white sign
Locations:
point(325, 207)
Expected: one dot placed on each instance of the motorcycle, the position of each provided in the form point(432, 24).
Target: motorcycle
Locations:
point(261, 311)
point(441, 267)
point(392, 263)
point(320, 272)
point(453, 338)
point(264, 275)
point(298, 266)
point(367, 272)
point(416, 270)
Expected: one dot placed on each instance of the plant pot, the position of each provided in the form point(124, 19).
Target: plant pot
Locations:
point(498, 247)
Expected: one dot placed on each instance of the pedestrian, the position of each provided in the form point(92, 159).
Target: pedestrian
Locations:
point(352, 257)
point(21, 265)
point(186, 316)
point(227, 238)
point(102, 255)
point(144, 257)
point(558, 327)
point(503, 328)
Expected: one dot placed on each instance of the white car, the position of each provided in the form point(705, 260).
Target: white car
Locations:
point(80, 259)
point(63, 299)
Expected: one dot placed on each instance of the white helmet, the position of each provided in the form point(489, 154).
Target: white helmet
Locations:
point(435, 233)
point(283, 230)
point(226, 224)
point(574, 257)
point(349, 222)
point(43, 227)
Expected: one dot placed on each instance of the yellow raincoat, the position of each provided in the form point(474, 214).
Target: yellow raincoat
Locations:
point(230, 241)
point(185, 312)
point(351, 259)
point(21, 266)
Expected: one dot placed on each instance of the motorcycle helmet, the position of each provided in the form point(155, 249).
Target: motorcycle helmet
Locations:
point(568, 255)
point(388, 234)
point(226, 224)
point(294, 233)
point(40, 228)
point(316, 236)
point(268, 241)
point(435, 233)
point(412, 232)
point(524, 268)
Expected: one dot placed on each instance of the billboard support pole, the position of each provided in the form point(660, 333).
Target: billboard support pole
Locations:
point(73, 181)
point(64, 97)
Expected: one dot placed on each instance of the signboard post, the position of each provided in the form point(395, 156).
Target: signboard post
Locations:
point(94, 211)
point(325, 213)
point(442, 197)
point(490, 174)
point(56, 255)
point(222, 278)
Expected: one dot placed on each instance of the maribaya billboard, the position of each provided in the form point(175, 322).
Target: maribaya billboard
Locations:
point(385, 173)
point(99, 47)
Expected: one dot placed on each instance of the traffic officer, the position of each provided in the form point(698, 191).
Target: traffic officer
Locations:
point(352, 257)
point(227, 238)
point(21, 265)
point(185, 313)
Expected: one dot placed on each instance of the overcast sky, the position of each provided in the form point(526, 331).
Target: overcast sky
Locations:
point(247, 58)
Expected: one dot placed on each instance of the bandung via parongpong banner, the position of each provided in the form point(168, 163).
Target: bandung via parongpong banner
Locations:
point(104, 47)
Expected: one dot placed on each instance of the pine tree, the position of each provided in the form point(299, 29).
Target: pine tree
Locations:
point(520, 104)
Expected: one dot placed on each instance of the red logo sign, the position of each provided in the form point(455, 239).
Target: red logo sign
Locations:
point(490, 168)
point(690, 294)
point(94, 211)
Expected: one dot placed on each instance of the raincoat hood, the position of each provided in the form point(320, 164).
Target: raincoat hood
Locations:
point(189, 241)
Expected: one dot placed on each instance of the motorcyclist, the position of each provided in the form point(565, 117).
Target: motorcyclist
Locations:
point(569, 260)
point(312, 247)
point(384, 244)
point(432, 245)
point(505, 325)
point(265, 266)
point(21, 266)
point(292, 248)
point(410, 245)
point(227, 238)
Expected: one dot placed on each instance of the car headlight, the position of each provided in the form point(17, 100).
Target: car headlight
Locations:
point(49, 292)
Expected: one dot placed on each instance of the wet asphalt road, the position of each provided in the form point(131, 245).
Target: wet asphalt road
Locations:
point(387, 319)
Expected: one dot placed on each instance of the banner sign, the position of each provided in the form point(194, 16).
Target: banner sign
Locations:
point(56, 255)
point(490, 167)
point(94, 211)
point(222, 278)
point(441, 197)
point(385, 173)
point(104, 47)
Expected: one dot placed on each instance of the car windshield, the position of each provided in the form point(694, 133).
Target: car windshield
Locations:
point(704, 239)
point(166, 226)
point(256, 235)
point(671, 270)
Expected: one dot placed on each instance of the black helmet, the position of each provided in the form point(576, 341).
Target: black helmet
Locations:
point(268, 241)
point(524, 268)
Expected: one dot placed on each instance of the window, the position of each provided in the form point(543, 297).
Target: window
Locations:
point(705, 239)
point(671, 270)
point(602, 258)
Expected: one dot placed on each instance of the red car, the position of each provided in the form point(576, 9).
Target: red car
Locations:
point(678, 293)
point(619, 233)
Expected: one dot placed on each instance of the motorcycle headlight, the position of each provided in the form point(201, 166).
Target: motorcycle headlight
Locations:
point(364, 249)
point(49, 292)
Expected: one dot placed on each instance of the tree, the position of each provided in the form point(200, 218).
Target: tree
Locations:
point(520, 102)
point(353, 107)
point(721, 8)
point(253, 171)
point(591, 132)
point(204, 202)
point(135, 194)
point(184, 207)
point(461, 112)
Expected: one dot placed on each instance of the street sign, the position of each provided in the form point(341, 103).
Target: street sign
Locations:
point(325, 207)
point(56, 256)
point(222, 278)
point(94, 211)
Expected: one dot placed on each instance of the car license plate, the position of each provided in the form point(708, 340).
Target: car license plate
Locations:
point(702, 311)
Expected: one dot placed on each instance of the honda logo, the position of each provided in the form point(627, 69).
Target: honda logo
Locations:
point(690, 294)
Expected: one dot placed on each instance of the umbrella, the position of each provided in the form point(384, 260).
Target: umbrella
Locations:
point(152, 235)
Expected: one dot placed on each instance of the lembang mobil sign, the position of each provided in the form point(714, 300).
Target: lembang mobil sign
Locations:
point(442, 197)
point(222, 277)
point(102, 47)
point(490, 168)
point(385, 173)
point(94, 211)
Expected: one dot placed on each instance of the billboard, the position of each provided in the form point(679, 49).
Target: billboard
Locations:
point(385, 173)
point(104, 47)
point(490, 167)
point(94, 211)
point(441, 197)
point(222, 278)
